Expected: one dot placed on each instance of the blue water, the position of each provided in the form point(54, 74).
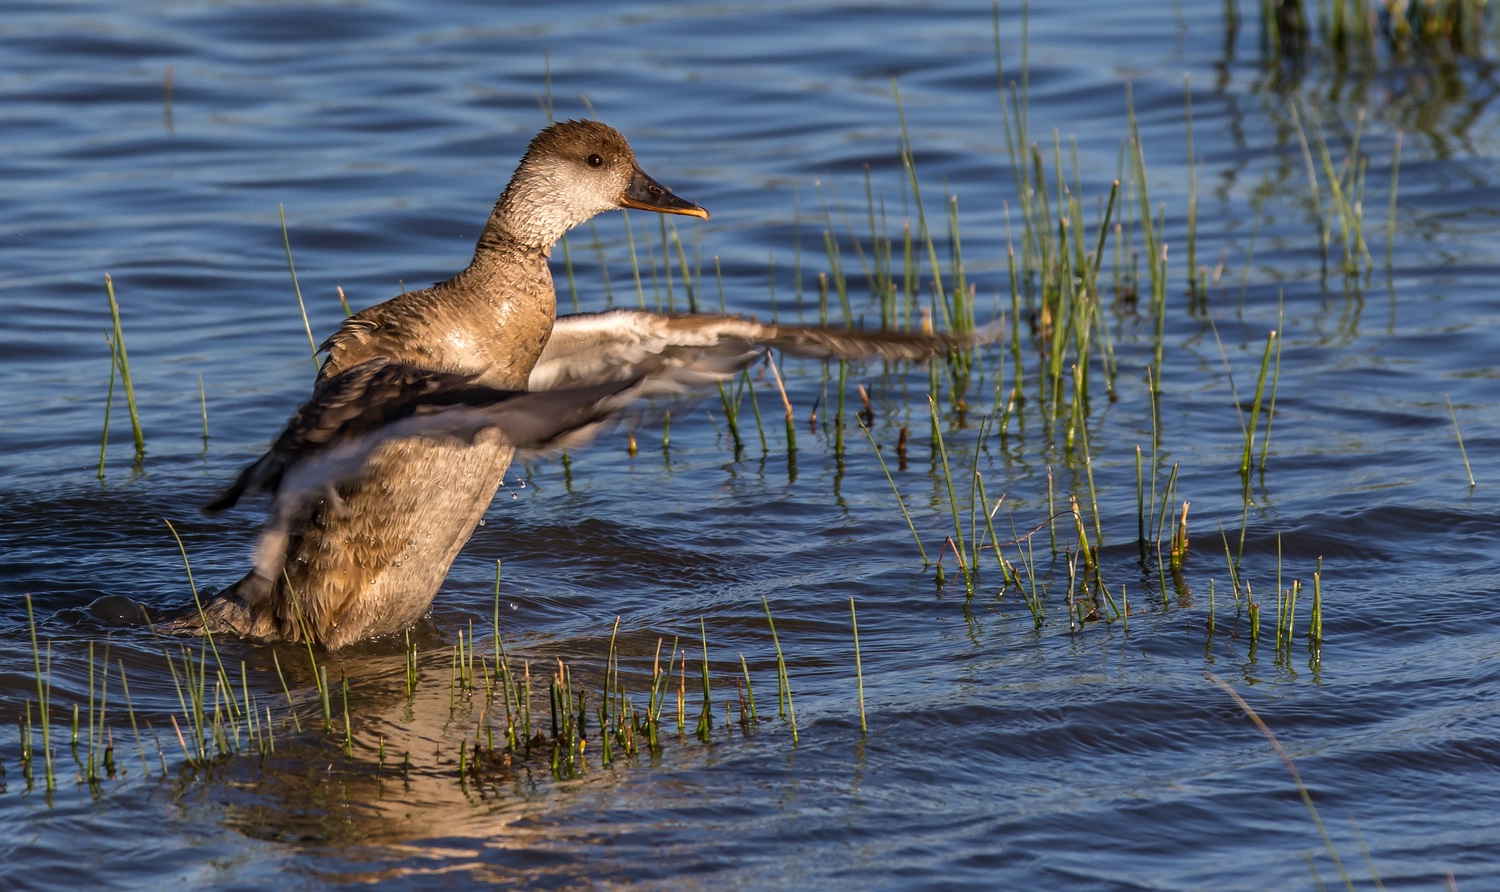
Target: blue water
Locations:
point(159, 144)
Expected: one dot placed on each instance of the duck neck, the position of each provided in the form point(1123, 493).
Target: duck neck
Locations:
point(510, 278)
point(528, 218)
point(510, 266)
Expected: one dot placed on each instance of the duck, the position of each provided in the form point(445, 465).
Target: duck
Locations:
point(421, 403)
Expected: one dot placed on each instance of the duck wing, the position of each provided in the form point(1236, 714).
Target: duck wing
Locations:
point(591, 348)
point(331, 439)
point(328, 440)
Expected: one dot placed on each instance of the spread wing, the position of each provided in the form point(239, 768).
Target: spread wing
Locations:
point(594, 367)
point(590, 348)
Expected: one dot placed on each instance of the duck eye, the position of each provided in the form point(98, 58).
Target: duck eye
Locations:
point(595, 160)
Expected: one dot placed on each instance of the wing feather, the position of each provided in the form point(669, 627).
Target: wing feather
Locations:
point(588, 348)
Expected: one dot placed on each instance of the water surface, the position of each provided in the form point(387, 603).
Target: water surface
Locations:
point(161, 145)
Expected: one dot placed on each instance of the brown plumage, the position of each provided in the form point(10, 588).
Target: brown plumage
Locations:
point(380, 478)
point(374, 565)
point(329, 442)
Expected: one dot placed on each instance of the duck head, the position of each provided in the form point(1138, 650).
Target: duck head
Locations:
point(571, 172)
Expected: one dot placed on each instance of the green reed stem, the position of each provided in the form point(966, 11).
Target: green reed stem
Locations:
point(705, 718)
point(1461, 451)
point(958, 530)
point(749, 690)
point(96, 720)
point(122, 361)
point(783, 680)
point(130, 711)
point(1283, 606)
point(1315, 621)
point(635, 263)
point(286, 241)
point(940, 291)
point(567, 256)
point(1161, 516)
point(760, 427)
point(1291, 768)
point(1140, 504)
point(198, 602)
point(885, 469)
point(1007, 572)
point(1260, 388)
point(732, 415)
point(43, 693)
point(1265, 440)
point(109, 401)
point(598, 245)
point(689, 279)
point(1325, 227)
point(203, 407)
point(291, 705)
point(859, 672)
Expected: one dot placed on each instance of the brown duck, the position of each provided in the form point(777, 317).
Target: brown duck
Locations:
point(381, 477)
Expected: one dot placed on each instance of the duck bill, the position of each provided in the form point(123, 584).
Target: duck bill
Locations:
point(647, 194)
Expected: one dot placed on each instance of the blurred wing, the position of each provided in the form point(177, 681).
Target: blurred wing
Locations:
point(342, 406)
point(814, 342)
point(330, 440)
point(591, 348)
point(531, 422)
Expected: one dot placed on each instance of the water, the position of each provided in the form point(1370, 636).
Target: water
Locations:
point(999, 754)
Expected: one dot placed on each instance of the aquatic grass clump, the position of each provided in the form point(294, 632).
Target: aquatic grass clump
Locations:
point(1058, 282)
point(217, 720)
point(622, 729)
point(218, 724)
